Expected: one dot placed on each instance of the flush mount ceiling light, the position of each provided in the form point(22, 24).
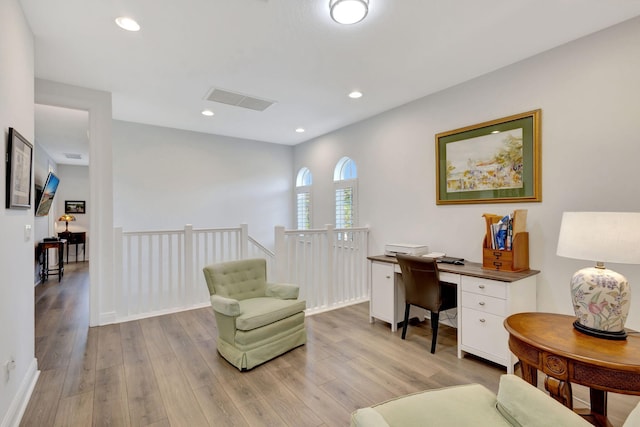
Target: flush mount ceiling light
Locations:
point(207, 113)
point(355, 94)
point(348, 11)
point(300, 130)
point(127, 23)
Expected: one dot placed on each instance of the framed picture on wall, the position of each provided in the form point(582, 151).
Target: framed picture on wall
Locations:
point(491, 162)
point(19, 162)
point(74, 207)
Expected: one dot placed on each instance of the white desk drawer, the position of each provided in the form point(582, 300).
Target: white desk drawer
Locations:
point(484, 303)
point(485, 332)
point(487, 287)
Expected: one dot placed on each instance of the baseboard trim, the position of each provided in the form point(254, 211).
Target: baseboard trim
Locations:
point(324, 309)
point(21, 399)
point(107, 318)
point(112, 317)
point(161, 312)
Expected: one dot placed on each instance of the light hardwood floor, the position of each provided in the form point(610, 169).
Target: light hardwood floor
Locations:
point(164, 371)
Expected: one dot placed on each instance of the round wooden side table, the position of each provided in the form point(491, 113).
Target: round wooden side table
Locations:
point(549, 343)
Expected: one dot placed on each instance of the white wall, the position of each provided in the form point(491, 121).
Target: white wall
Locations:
point(588, 91)
point(74, 185)
point(16, 251)
point(166, 178)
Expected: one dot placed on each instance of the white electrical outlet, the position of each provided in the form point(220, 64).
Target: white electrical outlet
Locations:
point(27, 232)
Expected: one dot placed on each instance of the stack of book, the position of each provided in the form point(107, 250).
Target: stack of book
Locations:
point(501, 229)
point(506, 244)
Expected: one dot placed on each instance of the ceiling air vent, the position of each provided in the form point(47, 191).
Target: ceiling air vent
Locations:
point(73, 156)
point(238, 100)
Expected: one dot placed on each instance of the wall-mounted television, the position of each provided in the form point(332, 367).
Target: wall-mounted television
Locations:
point(45, 199)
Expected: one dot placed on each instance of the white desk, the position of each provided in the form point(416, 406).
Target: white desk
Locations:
point(485, 299)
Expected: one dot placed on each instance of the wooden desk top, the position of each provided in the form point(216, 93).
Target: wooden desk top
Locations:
point(74, 237)
point(555, 333)
point(52, 244)
point(472, 269)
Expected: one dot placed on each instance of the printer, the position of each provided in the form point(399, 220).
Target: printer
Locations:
point(392, 249)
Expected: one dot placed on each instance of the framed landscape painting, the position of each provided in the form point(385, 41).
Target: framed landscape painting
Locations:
point(19, 163)
point(75, 206)
point(491, 162)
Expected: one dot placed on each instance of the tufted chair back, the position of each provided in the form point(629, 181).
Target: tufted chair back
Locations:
point(239, 280)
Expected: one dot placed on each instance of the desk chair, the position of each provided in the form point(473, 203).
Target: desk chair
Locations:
point(424, 289)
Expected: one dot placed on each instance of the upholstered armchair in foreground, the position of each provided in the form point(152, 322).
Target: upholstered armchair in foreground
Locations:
point(256, 320)
point(517, 404)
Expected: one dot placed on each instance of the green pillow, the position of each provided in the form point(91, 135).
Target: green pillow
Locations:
point(521, 404)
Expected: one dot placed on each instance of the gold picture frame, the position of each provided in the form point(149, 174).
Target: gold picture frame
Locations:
point(492, 162)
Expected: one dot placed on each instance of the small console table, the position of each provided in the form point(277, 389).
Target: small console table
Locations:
point(549, 343)
point(75, 238)
point(43, 252)
point(485, 299)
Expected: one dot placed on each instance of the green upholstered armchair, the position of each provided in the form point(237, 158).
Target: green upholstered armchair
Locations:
point(517, 404)
point(257, 321)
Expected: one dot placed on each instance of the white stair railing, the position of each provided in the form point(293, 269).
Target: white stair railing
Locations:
point(158, 272)
point(257, 250)
point(330, 265)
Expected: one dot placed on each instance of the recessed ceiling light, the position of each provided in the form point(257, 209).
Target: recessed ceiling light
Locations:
point(127, 23)
point(495, 131)
point(348, 11)
point(300, 130)
point(207, 113)
point(355, 94)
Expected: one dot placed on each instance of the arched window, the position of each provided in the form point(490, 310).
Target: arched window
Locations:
point(345, 169)
point(345, 178)
point(303, 198)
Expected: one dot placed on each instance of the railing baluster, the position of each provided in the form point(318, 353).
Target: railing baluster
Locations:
point(162, 270)
point(129, 281)
point(173, 257)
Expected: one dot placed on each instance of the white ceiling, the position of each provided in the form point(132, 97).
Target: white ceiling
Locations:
point(63, 133)
point(291, 52)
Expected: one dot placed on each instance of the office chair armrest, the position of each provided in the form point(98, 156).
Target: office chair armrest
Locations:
point(282, 290)
point(226, 306)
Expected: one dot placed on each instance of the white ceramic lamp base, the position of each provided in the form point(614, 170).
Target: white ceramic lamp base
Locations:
point(601, 300)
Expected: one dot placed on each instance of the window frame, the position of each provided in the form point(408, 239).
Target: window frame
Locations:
point(346, 164)
point(304, 186)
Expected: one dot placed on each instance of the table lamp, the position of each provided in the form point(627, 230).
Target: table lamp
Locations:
point(601, 297)
point(66, 218)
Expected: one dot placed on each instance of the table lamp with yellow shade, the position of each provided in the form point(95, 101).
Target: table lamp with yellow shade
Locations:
point(66, 218)
point(601, 297)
